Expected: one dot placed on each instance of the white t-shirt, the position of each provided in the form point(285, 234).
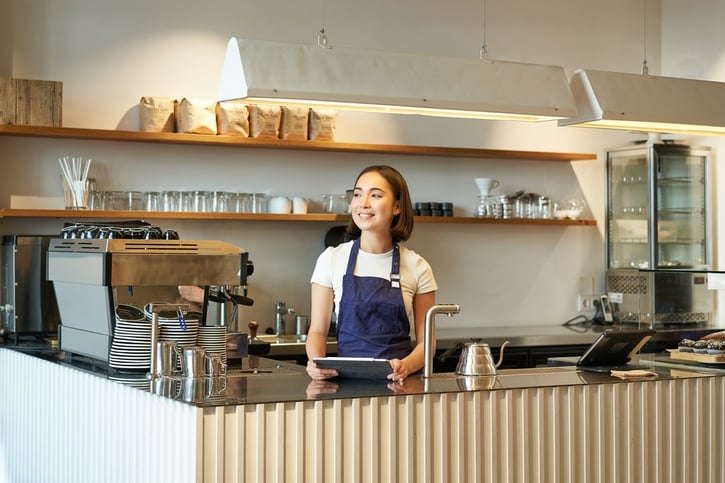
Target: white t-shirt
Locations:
point(416, 275)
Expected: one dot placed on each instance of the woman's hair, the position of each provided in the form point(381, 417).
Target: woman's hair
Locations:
point(402, 225)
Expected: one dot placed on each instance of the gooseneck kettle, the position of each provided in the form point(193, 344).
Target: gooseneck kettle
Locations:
point(476, 360)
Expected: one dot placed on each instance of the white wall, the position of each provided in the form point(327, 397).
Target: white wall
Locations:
point(110, 53)
point(693, 46)
point(6, 40)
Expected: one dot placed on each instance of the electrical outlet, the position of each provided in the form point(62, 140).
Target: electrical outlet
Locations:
point(585, 303)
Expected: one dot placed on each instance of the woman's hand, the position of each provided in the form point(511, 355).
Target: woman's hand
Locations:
point(400, 370)
point(318, 388)
point(192, 293)
point(318, 373)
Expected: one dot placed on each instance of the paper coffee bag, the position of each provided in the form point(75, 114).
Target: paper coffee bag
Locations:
point(232, 118)
point(323, 123)
point(293, 125)
point(264, 121)
point(196, 116)
point(157, 114)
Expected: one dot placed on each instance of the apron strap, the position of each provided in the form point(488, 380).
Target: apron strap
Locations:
point(352, 259)
point(394, 269)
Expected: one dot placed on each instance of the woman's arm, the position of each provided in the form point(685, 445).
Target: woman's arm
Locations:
point(415, 361)
point(322, 301)
point(716, 335)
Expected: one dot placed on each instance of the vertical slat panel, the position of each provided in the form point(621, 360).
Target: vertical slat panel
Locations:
point(61, 424)
point(596, 433)
point(667, 431)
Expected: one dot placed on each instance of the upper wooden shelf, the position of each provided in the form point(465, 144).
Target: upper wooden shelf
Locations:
point(219, 140)
point(323, 217)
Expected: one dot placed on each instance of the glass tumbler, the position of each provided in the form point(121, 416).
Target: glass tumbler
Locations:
point(113, 200)
point(133, 200)
point(186, 201)
point(329, 203)
point(343, 205)
point(243, 203)
point(201, 201)
point(220, 201)
point(258, 202)
point(151, 200)
point(170, 200)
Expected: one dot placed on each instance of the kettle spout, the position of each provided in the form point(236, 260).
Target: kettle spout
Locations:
point(500, 354)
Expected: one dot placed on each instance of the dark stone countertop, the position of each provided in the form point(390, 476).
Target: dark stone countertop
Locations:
point(270, 381)
point(557, 335)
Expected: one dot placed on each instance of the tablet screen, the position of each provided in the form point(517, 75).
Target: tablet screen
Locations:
point(357, 367)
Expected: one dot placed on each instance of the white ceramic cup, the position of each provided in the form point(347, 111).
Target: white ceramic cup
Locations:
point(485, 185)
point(279, 204)
point(299, 205)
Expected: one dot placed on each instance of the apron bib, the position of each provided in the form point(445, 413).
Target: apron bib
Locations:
point(372, 321)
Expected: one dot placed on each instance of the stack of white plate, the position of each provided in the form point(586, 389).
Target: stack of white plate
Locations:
point(213, 339)
point(133, 380)
point(172, 329)
point(131, 346)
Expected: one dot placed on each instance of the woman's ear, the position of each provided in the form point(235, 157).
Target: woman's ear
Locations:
point(396, 208)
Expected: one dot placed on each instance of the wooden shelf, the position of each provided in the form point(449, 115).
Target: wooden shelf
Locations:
point(235, 141)
point(310, 217)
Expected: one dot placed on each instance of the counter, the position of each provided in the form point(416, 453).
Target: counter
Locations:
point(551, 336)
point(556, 335)
point(545, 424)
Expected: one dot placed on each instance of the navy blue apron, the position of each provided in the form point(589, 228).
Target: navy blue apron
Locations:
point(372, 321)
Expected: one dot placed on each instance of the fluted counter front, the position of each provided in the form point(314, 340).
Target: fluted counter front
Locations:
point(549, 425)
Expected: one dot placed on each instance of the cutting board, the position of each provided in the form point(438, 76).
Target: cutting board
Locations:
point(691, 356)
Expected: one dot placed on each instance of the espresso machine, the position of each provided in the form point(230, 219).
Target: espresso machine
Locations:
point(91, 277)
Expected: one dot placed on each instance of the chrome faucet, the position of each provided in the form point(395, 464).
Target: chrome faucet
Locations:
point(280, 317)
point(448, 309)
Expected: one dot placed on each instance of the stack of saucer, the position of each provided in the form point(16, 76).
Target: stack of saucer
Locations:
point(131, 346)
point(138, 381)
point(213, 339)
point(184, 335)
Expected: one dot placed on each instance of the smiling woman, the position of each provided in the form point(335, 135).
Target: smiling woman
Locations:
point(375, 286)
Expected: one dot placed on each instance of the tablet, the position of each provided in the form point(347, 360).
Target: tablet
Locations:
point(613, 349)
point(356, 367)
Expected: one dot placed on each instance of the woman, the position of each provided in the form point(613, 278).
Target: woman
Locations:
point(377, 286)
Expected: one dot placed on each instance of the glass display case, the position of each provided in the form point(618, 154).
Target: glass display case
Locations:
point(657, 211)
point(657, 234)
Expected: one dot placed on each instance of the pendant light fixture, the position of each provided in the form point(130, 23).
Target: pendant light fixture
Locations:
point(362, 80)
point(643, 102)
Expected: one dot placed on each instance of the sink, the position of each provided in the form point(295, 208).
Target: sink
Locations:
point(291, 344)
point(283, 338)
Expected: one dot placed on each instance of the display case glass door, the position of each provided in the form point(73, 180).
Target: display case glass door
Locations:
point(628, 209)
point(657, 213)
point(680, 208)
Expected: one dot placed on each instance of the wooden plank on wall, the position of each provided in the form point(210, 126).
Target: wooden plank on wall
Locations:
point(29, 102)
point(8, 101)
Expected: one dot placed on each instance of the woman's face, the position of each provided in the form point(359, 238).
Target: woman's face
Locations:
point(373, 203)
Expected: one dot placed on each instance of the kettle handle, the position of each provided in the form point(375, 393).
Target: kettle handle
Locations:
point(500, 354)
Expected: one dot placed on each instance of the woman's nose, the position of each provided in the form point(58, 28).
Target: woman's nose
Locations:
point(362, 201)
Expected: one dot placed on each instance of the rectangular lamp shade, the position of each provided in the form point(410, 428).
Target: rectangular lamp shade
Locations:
point(361, 80)
point(641, 102)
